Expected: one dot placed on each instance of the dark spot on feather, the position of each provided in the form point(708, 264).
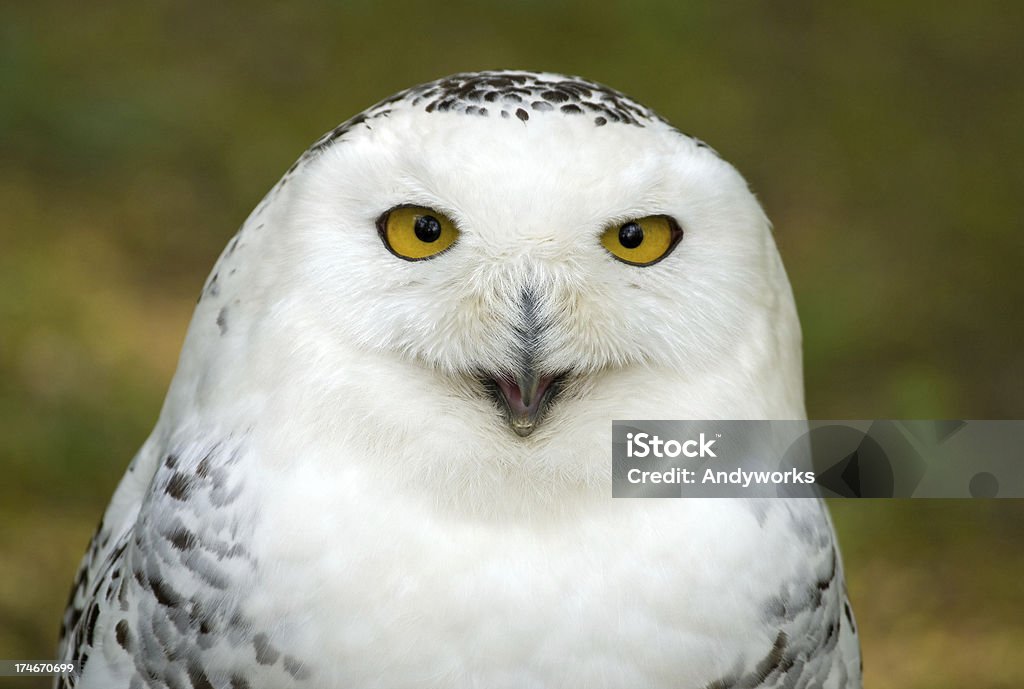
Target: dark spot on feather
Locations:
point(76, 615)
point(774, 658)
point(198, 677)
point(182, 539)
point(295, 668)
point(179, 486)
point(849, 616)
point(203, 468)
point(90, 624)
point(165, 595)
point(266, 654)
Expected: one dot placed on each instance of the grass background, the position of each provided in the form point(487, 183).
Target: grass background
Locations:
point(884, 139)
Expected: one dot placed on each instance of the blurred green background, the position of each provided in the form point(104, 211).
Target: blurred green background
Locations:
point(884, 140)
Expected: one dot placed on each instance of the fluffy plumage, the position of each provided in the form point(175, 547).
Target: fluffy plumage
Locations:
point(333, 495)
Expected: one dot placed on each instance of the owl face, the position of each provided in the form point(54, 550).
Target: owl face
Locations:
point(530, 268)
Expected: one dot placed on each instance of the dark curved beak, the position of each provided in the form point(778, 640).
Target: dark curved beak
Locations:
point(525, 397)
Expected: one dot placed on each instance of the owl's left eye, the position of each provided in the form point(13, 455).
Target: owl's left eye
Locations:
point(415, 233)
point(644, 241)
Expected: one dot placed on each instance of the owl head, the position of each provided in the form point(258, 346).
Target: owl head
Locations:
point(475, 276)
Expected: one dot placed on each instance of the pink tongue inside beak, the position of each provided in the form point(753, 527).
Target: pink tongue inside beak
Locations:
point(523, 396)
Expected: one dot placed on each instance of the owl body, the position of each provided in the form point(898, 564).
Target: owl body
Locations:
point(378, 468)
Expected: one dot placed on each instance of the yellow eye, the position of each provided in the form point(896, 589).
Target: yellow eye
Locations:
point(415, 233)
point(644, 241)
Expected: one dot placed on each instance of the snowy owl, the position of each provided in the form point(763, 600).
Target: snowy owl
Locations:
point(385, 458)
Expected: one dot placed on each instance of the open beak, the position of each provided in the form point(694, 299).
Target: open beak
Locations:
point(525, 397)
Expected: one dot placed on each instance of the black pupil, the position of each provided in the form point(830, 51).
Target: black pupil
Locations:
point(631, 235)
point(428, 229)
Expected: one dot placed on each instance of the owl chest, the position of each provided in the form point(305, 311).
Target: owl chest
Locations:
point(396, 594)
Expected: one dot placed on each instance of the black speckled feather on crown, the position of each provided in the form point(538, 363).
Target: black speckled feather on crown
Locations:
point(505, 94)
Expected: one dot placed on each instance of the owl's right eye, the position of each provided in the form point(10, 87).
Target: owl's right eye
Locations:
point(642, 242)
point(415, 233)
